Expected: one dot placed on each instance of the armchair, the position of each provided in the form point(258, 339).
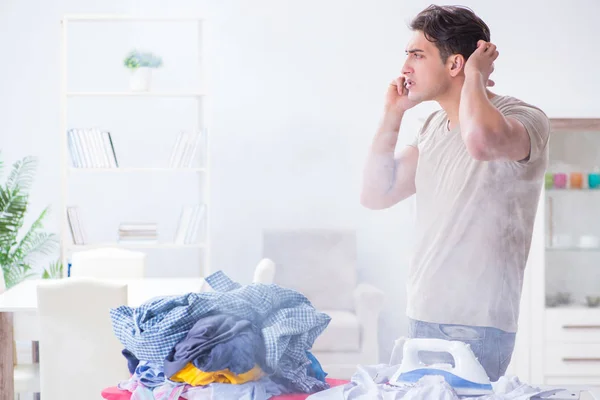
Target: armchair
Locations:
point(321, 264)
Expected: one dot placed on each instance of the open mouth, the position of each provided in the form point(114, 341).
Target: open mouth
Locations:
point(408, 84)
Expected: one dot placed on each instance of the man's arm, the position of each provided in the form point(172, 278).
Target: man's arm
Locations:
point(487, 133)
point(387, 179)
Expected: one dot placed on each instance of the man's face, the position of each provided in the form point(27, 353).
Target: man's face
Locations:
point(426, 76)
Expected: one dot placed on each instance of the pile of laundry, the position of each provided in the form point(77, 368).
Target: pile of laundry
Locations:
point(235, 341)
point(372, 382)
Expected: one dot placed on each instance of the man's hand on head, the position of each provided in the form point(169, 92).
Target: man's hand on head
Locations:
point(481, 62)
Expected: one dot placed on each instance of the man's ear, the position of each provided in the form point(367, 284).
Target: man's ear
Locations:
point(455, 64)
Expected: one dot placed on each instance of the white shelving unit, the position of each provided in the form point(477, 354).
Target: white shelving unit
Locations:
point(140, 169)
point(67, 170)
point(135, 94)
point(137, 245)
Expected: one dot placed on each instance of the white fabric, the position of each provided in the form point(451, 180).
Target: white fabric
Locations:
point(79, 354)
point(369, 383)
point(342, 333)
point(474, 224)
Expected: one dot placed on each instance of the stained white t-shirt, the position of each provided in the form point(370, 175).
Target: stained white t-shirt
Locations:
point(474, 223)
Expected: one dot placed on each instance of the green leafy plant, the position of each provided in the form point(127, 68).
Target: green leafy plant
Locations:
point(54, 271)
point(18, 252)
point(136, 59)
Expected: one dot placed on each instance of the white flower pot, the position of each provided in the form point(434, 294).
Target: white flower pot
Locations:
point(141, 79)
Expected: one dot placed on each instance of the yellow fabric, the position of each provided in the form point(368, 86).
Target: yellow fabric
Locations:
point(195, 377)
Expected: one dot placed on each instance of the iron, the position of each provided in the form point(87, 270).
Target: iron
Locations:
point(467, 377)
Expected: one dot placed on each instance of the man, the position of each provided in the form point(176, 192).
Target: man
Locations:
point(477, 168)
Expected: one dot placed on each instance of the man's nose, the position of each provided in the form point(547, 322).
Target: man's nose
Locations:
point(406, 68)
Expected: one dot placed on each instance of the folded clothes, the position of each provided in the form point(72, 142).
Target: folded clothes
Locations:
point(218, 342)
point(289, 325)
point(195, 377)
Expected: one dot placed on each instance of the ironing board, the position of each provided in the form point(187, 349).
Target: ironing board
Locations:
point(572, 393)
point(114, 393)
point(575, 393)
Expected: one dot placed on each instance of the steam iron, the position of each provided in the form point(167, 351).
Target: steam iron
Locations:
point(467, 377)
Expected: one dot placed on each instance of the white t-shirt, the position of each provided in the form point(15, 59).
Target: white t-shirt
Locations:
point(474, 224)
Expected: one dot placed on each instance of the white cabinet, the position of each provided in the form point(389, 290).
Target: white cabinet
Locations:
point(562, 329)
point(572, 344)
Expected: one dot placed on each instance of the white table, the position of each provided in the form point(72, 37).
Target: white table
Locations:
point(19, 320)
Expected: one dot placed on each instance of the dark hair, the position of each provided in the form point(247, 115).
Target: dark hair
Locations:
point(453, 29)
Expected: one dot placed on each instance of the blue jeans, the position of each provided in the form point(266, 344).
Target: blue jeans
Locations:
point(492, 347)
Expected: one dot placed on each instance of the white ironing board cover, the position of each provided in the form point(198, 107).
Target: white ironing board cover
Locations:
point(574, 393)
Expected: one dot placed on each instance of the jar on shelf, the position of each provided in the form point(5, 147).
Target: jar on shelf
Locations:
point(549, 180)
point(594, 179)
point(576, 180)
point(560, 180)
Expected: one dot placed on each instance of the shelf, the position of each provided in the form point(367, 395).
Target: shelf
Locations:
point(141, 169)
point(137, 245)
point(584, 190)
point(573, 248)
point(125, 18)
point(135, 94)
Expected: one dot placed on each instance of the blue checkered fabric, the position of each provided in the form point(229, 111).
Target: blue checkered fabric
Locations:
point(288, 321)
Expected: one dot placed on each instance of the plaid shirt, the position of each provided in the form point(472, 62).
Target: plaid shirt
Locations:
point(288, 321)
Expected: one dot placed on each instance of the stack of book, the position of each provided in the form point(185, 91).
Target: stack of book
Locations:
point(184, 151)
point(138, 232)
point(192, 217)
point(91, 148)
point(75, 226)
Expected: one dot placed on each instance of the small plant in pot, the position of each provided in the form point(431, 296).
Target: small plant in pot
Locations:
point(141, 65)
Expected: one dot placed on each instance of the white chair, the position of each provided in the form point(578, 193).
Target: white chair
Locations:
point(79, 353)
point(26, 376)
point(109, 263)
point(264, 271)
point(321, 264)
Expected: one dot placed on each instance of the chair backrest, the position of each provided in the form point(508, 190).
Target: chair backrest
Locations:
point(79, 353)
point(319, 263)
point(264, 271)
point(109, 263)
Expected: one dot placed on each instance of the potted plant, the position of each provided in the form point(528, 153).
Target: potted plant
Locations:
point(141, 65)
point(19, 250)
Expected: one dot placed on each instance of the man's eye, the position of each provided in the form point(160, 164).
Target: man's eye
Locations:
point(417, 55)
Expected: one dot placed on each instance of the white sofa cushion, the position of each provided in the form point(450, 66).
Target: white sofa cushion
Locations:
point(319, 263)
point(342, 333)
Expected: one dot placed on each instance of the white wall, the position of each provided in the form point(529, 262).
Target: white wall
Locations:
point(297, 91)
